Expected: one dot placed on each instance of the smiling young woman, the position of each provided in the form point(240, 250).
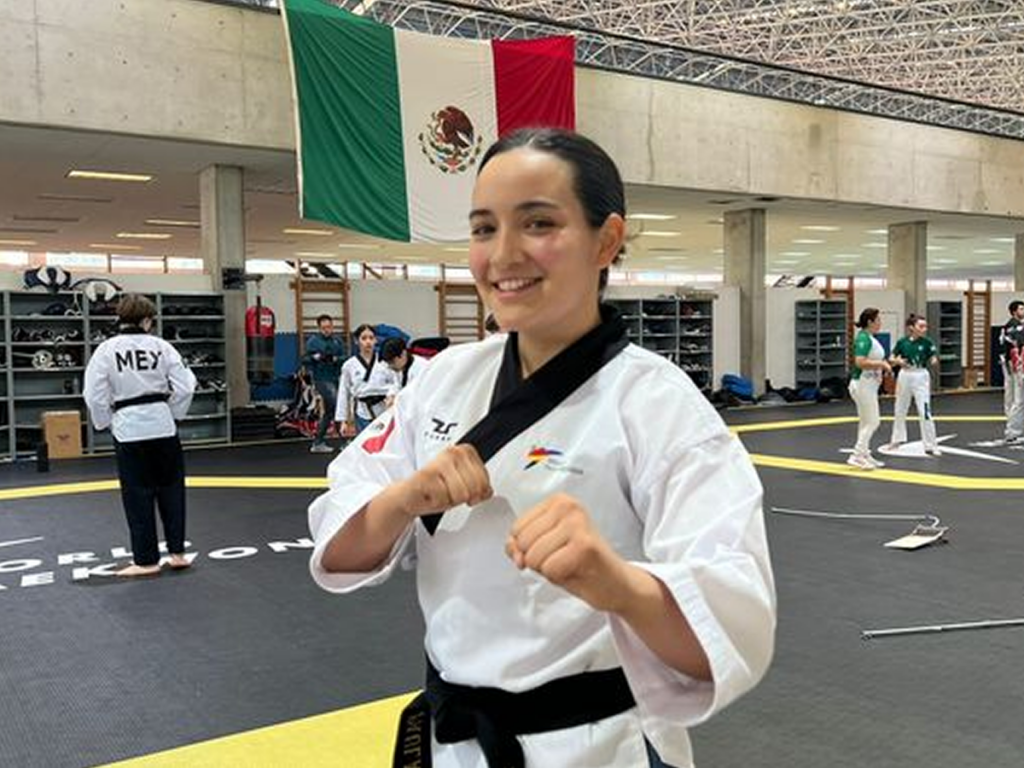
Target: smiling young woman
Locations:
point(591, 555)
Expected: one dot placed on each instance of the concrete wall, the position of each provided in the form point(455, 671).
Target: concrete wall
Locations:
point(166, 68)
point(683, 136)
point(220, 76)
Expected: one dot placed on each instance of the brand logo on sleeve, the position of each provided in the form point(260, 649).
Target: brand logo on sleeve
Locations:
point(441, 431)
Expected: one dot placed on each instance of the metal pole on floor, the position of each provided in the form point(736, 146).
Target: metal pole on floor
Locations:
point(871, 634)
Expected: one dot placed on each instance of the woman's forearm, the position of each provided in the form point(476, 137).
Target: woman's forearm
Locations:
point(652, 612)
point(367, 538)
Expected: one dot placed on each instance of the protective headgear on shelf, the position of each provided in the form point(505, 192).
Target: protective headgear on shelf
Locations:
point(53, 279)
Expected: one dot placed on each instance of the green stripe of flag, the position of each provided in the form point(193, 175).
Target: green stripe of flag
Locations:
point(346, 80)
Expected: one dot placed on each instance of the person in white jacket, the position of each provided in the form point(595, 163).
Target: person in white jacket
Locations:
point(591, 556)
point(364, 385)
point(137, 386)
point(405, 366)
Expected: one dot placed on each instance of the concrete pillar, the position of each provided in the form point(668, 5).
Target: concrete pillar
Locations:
point(222, 244)
point(1018, 263)
point(908, 264)
point(744, 236)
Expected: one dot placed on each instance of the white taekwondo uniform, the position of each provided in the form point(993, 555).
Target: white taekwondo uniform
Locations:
point(132, 365)
point(662, 479)
point(412, 371)
point(358, 381)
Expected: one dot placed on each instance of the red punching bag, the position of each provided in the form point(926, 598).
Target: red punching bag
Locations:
point(259, 341)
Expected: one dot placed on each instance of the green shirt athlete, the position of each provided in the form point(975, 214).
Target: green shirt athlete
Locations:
point(915, 353)
point(866, 346)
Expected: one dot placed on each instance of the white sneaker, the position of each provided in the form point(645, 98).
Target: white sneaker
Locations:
point(933, 451)
point(860, 462)
point(320, 448)
point(874, 462)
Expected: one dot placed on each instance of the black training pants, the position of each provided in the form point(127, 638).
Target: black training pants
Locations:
point(153, 471)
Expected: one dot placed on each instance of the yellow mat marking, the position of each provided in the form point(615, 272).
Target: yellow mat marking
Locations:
point(951, 482)
point(200, 481)
point(828, 421)
point(357, 737)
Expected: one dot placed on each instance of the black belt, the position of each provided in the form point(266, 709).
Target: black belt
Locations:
point(495, 717)
point(372, 400)
point(152, 397)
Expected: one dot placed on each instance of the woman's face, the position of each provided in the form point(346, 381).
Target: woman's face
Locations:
point(875, 325)
point(367, 339)
point(535, 258)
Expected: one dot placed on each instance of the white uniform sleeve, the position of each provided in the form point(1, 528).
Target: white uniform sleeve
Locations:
point(341, 408)
point(705, 539)
point(182, 382)
point(97, 392)
point(380, 455)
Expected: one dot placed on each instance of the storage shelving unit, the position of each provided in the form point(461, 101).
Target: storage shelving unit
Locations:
point(822, 341)
point(945, 327)
point(46, 341)
point(677, 328)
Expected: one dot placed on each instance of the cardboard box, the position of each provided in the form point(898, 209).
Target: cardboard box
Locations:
point(62, 431)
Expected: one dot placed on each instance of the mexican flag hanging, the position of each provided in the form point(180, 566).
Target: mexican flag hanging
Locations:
point(392, 124)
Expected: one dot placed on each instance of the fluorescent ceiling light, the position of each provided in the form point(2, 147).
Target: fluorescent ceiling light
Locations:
point(650, 217)
point(51, 219)
point(317, 254)
point(785, 261)
point(936, 247)
point(660, 233)
point(671, 258)
point(73, 198)
point(795, 253)
point(819, 228)
point(984, 263)
point(945, 261)
point(457, 250)
point(116, 246)
point(983, 251)
point(171, 223)
point(300, 231)
point(805, 241)
point(874, 245)
point(143, 235)
point(18, 242)
point(877, 231)
point(109, 176)
point(358, 246)
point(846, 256)
point(1001, 239)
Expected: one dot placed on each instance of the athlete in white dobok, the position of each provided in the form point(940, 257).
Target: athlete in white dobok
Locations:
point(592, 563)
point(137, 386)
point(914, 355)
point(364, 385)
point(869, 366)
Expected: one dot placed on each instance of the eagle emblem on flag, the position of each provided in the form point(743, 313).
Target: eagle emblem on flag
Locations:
point(450, 142)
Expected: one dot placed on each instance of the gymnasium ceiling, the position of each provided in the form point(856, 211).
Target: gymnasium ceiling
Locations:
point(43, 210)
point(967, 50)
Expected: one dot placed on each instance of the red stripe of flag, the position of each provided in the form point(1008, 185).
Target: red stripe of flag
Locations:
point(534, 83)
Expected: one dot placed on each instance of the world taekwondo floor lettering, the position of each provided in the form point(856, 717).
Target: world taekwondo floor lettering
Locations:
point(22, 571)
